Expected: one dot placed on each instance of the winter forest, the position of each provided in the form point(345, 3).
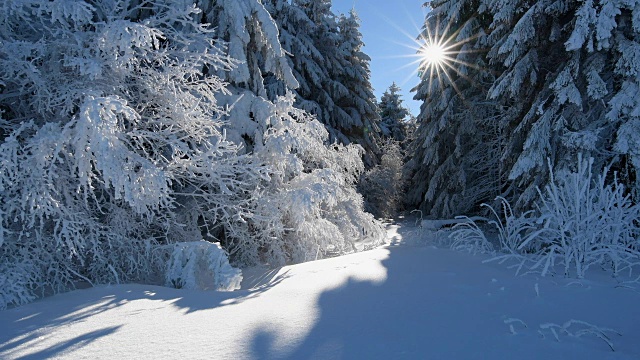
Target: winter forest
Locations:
point(182, 142)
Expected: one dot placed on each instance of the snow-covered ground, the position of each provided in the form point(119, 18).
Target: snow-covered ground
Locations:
point(409, 300)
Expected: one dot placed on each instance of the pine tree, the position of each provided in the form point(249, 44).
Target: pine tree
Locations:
point(456, 152)
point(393, 114)
point(570, 70)
point(332, 70)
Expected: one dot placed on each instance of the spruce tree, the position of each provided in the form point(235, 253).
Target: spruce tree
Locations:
point(393, 114)
point(332, 70)
point(353, 91)
point(455, 155)
point(570, 70)
point(565, 74)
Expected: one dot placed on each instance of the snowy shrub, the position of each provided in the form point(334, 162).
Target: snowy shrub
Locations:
point(200, 265)
point(382, 185)
point(113, 145)
point(111, 142)
point(309, 208)
point(467, 236)
point(586, 222)
point(512, 231)
point(581, 221)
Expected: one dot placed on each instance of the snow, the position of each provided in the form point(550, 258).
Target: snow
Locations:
point(410, 299)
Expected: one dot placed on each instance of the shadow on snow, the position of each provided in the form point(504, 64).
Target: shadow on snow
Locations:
point(30, 323)
point(440, 304)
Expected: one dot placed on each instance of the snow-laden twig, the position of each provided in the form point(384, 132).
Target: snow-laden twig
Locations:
point(467, 236)
point(580, 328)
point(511, 321)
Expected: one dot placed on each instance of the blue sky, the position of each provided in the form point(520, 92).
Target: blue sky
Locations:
point(389, 30)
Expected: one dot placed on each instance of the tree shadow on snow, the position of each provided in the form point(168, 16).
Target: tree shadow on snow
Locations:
point(369, 320)
point(67, 345)
point(440, 304)
point(28, 324)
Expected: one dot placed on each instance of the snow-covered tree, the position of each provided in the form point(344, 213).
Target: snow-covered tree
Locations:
point(120, 138)
point(310, 208)
point(570, 71)
point(383, 185)
point(327, 60)
point(352, 88)
point(455, 157)
point(112, 142)
point(393, 115)
point(264, 118)
point(566, 72)
point(251, 36)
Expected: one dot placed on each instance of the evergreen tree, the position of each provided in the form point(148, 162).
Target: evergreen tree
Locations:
point(332, 70)
point(455, 155)
point(353, 90)
point(570, 70)
point(566, 73)
point(393, 114)
point(251, 37)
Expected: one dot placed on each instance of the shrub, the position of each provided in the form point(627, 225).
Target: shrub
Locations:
point(382, 185)
point(110, 133)
point(586, 222)
point(580, 221)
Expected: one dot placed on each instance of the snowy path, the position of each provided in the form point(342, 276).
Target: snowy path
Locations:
point(401, 302)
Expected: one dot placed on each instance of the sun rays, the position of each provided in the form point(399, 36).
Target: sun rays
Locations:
point(439, 54)
point(433, 54)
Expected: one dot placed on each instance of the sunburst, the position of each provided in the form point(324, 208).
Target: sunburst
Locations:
point(433, 54)
point(440, 53)
point(437, 54)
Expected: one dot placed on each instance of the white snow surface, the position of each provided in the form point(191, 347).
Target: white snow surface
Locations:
point(408, 300)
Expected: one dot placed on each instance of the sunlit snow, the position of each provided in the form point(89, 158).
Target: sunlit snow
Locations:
point(411, 299)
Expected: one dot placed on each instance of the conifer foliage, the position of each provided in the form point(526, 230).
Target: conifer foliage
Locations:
point(560, 78)
point(457, 145)
point(394, 117)
point(333, 72)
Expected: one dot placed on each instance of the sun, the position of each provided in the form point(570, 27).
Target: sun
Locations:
point(433, 54)
point(439, 54)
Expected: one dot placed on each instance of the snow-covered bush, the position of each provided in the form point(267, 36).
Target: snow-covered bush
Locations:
point(382, 185)
point(511, 230)
point(587, 222)
point(309, 208)
point(581, 221)
point(111, 141)
point(113, 145)
point(200, 265)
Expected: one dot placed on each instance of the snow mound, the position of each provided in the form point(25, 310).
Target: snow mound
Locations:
point(201, 265)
